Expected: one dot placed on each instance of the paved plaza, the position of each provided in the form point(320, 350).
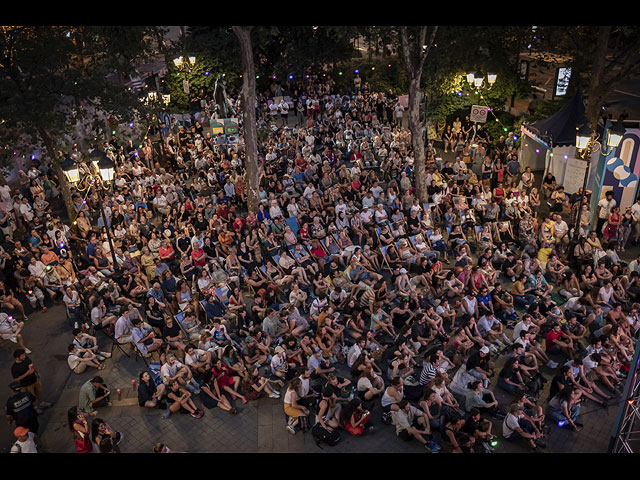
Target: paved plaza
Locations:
point(259, 426)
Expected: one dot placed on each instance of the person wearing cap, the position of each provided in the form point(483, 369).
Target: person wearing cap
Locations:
point(25, 441)
point(480, 365)
point(279, 365)
point(20, 408)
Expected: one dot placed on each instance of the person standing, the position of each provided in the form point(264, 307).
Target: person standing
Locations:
point(25, 441)
point(604, 209)
point(24, 371)
point(20, 409)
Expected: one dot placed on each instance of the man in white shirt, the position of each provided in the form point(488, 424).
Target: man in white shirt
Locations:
point(355, 351)
point(525, 324)
point(279, 366)
point(25, 441)
point(197, 359)
point(124, 329)
point(516, 427)
point(366, 215)
point(561, 231)
point(173, 369)
point(604, 208)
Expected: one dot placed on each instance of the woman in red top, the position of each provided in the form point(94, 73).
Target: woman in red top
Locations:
point(303, 232)
point(316, 250)
point(198, 256)
point(611, 230)
point(80, 429)
point(354, 416)
point(498, 193)
point(221, 372)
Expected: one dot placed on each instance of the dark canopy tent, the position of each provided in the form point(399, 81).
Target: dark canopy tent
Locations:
point(557, 132)
point(560, 128)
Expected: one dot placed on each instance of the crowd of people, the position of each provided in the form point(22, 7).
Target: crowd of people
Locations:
point(344, 295)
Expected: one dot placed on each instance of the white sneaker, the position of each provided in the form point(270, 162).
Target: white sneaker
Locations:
point(552, 364)
point(27, 351)
point(291, 430)
point(506, 339)
point(274, 395)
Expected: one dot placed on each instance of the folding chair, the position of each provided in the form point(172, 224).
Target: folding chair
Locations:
point(223, 294)
point(179, 317)
point(383, 250)
point(154, 372)
point(292, 222)
point(115, 343)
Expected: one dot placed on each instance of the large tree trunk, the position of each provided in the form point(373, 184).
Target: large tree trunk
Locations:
point(597, 88)
point(414, 54)
point(249, 116)
point(417, 140)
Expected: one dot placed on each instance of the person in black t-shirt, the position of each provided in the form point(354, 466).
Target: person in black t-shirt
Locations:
point(480, 365)
point(23, 371)
point(20, 408)
point(172, 335)
point(560, 381)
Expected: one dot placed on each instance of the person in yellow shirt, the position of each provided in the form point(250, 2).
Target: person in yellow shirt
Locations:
point(547, 232)
point(543, 257)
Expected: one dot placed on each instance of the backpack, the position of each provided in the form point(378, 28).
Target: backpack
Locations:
point(322, 435)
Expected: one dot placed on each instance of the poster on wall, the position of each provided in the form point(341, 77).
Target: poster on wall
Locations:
point(574, 175)
point(619, 172)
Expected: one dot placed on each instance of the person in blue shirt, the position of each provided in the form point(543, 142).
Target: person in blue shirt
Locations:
point(91, 249)
point(485, 301)
point(213, 308)
point(157, 293)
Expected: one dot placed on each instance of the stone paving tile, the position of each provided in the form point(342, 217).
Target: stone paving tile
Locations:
point(259, 427)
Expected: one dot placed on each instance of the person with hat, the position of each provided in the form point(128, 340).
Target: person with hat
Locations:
point(25, 441)
point(20, 408)
point(480, 365)
point(280, 366)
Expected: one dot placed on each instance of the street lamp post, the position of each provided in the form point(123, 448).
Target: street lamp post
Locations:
point(98, 174)
point(587, 144)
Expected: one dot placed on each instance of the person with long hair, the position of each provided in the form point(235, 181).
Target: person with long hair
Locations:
point(101, 431)
point(79, 427)
point(564, 408)
point(179, 398)
point(212, 397)
point(297, 413)
point(354, 417)
point(253, 384)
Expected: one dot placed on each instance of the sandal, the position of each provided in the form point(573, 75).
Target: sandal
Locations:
point(244, 400)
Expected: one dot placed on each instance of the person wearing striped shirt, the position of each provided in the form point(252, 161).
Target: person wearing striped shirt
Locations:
point(429, 369)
